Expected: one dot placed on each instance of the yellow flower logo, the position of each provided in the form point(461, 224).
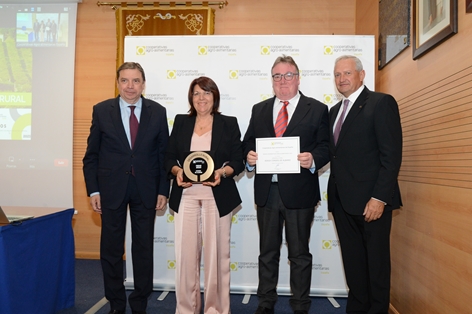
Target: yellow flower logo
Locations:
point(265, 50)
point(233, 74)
point(202, 50)
point(171, 74)
point(327, 244)
point(140, 50)
point(171, 264)
point(328, 50)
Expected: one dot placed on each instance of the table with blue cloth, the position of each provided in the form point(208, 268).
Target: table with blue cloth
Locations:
point(37, 264)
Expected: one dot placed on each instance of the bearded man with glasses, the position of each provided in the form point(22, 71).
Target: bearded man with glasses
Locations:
point(287, 198)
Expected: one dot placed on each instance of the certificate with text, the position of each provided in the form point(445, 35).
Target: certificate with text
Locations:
point(277, 155)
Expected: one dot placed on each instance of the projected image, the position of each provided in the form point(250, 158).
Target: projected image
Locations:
point(42, 29)
point(37, 53)
point(16, 72)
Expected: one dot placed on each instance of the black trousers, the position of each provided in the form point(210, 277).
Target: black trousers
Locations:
point(271, 219)
point(112, 249)
point(365, 248)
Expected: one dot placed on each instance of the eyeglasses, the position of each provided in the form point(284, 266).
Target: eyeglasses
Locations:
point(287, 76)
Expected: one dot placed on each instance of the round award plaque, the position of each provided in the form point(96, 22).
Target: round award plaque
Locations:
point(198, 167)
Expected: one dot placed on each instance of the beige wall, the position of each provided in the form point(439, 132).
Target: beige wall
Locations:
point(431, 236)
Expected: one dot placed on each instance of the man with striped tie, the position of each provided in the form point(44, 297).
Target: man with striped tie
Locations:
point(290, 198)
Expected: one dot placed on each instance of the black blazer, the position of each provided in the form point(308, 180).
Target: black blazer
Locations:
point(310, 123)
point(367, 158)
point(108, 158)
point(226, 147)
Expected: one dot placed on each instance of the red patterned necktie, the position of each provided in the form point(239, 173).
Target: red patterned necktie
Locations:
point(133, 125)
point(282, 120)
point(337, 129)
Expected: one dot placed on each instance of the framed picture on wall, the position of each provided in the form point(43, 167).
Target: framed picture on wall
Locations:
point(468, 6)
point(433, 22)
point(394, 29)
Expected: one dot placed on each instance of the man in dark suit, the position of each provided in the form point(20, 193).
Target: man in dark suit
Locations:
point(366, 152)
point(288, 199)
point(124, 166)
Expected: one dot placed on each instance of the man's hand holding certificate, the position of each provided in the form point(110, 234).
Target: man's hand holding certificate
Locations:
point(277, 155)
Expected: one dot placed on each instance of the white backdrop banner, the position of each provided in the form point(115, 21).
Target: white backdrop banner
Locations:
point(240, 66)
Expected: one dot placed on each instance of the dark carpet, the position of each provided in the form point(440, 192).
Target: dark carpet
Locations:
point(89, 291)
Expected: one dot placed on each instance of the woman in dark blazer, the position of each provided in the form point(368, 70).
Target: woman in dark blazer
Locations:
point(203, 210)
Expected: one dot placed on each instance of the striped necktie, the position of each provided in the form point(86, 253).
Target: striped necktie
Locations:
point(282, 120)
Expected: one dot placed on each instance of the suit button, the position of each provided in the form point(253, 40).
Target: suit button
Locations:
point(334, 157)
point(132, 156)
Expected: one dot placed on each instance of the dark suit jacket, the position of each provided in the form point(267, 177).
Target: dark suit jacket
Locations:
point(225, 147)
point(107, 161)
point(310, 123)
point(367, 158)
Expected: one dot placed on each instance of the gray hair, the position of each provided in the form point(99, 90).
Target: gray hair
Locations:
point(358, 62)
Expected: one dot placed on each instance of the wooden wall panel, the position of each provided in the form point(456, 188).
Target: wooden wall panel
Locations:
point(431, 251)
point(95, 68)
point(437, 132)
point(367, 16)
point(94, 82)
point(431, 247)
point(300, 17)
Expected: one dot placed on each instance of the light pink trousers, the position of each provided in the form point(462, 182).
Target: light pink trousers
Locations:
point(198, 225)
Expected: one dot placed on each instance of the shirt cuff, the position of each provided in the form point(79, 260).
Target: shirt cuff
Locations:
point(378, 200)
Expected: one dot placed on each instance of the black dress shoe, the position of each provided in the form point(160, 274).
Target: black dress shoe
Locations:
point(116, 312)
point(300, 312)
point(264, 310)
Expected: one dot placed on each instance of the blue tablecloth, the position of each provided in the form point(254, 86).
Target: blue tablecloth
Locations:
point(37, 265)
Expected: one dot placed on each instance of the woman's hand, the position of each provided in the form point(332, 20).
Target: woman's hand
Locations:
point(218, 175)
point(179, 176)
